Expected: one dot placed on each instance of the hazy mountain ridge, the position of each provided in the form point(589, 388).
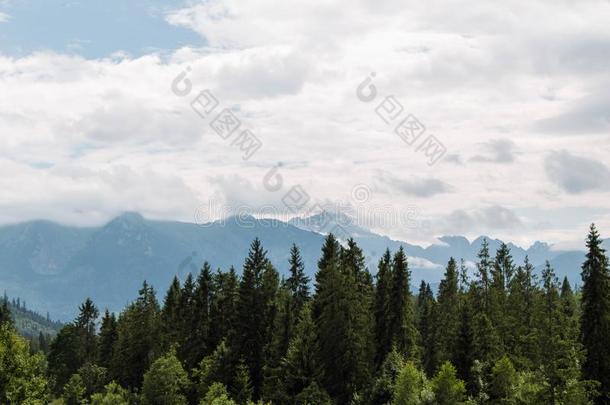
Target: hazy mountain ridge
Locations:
point(55, 267)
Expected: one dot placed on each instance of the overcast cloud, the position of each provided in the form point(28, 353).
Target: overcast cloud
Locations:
point(516, 91)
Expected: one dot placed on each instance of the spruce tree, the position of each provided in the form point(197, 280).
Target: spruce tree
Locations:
point(138, 341)
point(223, 307)
point(301, 369)
point(200, 330)
point(107, 339)
point(383, 340)
point(595, 319)
point(520, 317)
point(343, 322)
point(402, 322)
point(298, 282)
point(427, 324)
point(483, 282)
point(252, 310)
point(86, 324)
point(448, 313)
point(171, 316)
point(501, 274)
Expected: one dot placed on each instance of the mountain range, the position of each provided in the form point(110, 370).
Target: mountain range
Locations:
point(55, 267)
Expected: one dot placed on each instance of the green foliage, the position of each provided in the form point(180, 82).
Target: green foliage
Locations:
point(74, 390)
point(215, 368)
point(402, 317)
point(502, 338)
point(383, 339)
point(595, 320)
point(217, 395)
point(448, 322)
point(166, 382)
point(113, 394)
point(383, 387)
point(138, 342)
point(343, 319)
point(300, 367)
point(252, 326)
point(22, 375)
point(447, 388)
point(94, 378)
point(242, 387)
point(107, 338)
point(502, 386)
point(411, 386)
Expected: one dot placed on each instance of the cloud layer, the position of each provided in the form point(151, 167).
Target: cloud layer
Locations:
point(502, 86)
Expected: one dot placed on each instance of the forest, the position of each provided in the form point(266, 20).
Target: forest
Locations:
point(495, 333)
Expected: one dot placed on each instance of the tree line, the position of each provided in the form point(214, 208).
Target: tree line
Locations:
point(500, 334)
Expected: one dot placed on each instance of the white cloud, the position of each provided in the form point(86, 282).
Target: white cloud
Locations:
point(4, 17)
point(476, 74)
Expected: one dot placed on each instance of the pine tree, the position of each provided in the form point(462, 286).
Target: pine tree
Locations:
point(170, 315)
point(223, 307)
point(483, 282)
point(427, 316)
point(343, 321)
point(501, 275)
point(5, 313)
point(402, 322)
point(107, 339)
point(85, 322)
point(550, 344)
point(300, 368)
point(447, 388)
point(186, 326)
point(252, 310)
point(199, 345)
point(448, 313)
point(383, 339)
point(464, 355)
point(569, 312)
point(165, 382)
point(595, 319)
point(138, 339)
point(242, 388)
point(298, 282)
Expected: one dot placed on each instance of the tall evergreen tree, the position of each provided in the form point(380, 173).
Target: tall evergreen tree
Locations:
point(107, 339)
point(595, 319)
point(448, 313)
point(252, 310)
point(501, 274)
point(343, 321)
point(223, 307)
point(199, 346)
point(520, 317)
point(298, 282)
point(300, 368)
point(483, 281)
point(427, 316)
point(138, 341)
point(86, 324)
point(402, 317)
point(171, 316)
point(383, 339)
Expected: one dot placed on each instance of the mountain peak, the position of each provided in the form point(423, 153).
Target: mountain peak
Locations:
point(130, 217)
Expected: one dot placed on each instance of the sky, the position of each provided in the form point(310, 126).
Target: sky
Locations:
point(103, 110)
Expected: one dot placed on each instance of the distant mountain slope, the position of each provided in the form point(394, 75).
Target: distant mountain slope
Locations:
point(56, 267)
point(30, 323)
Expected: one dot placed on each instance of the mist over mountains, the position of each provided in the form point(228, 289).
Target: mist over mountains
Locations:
point(55, 267)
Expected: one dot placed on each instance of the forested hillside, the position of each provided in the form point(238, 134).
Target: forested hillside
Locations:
point(30, 323)
point(504, 336)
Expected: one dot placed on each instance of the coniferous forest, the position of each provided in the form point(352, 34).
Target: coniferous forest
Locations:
point(497, 334)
